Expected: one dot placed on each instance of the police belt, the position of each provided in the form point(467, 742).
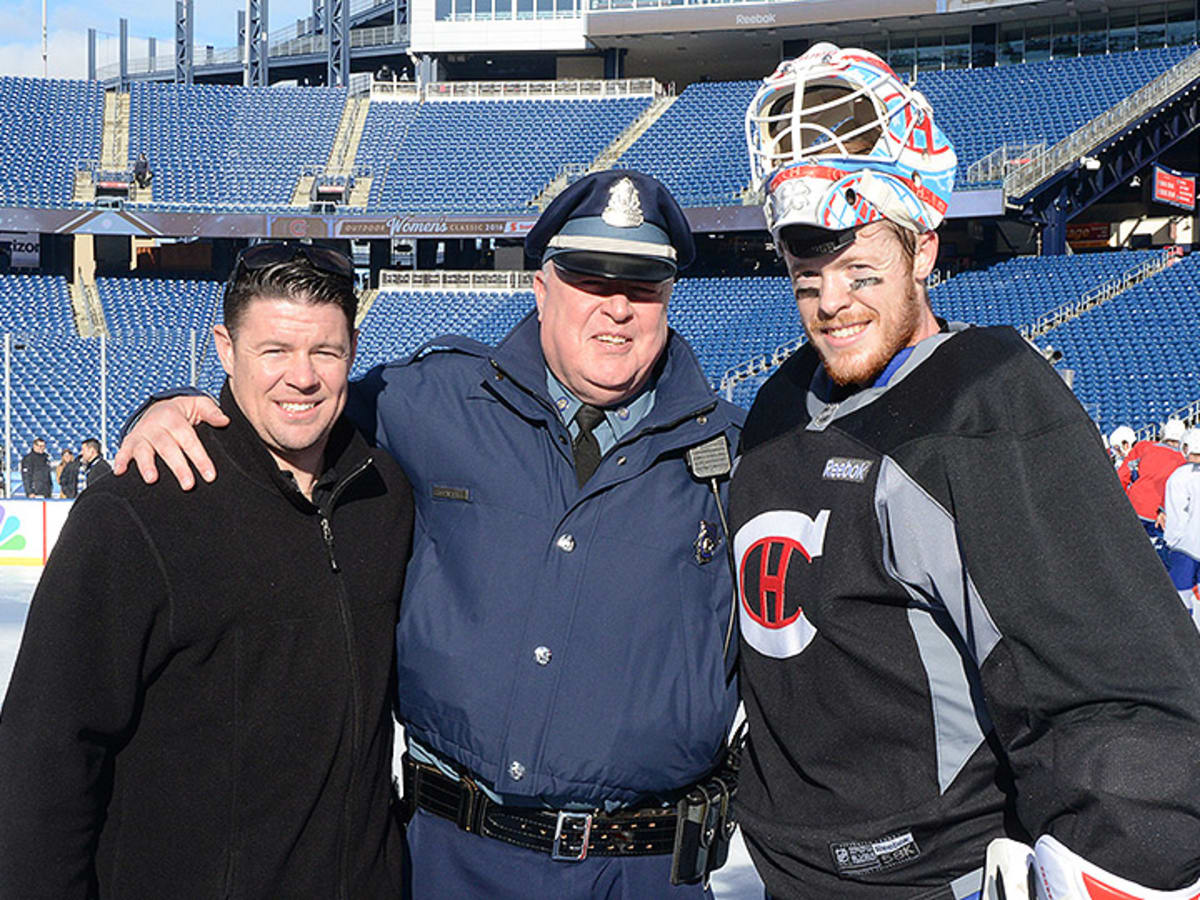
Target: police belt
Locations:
point(563, 834)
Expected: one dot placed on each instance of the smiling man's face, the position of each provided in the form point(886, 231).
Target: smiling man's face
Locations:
point(288, 362)
point(601, 336)
point(863, 304)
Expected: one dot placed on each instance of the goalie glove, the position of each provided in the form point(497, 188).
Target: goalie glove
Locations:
point(1050, 871)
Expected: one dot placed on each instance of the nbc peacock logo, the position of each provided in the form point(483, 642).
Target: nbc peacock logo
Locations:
point(10, 527)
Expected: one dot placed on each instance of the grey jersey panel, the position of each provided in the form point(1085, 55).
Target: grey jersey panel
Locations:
point(958, 723)
point(928, 559)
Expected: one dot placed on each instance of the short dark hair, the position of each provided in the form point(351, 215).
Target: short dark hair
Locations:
point(91, 442)
point(297, 279)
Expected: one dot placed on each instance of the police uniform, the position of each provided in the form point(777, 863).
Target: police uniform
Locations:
point(953, 630)
point(559, 649)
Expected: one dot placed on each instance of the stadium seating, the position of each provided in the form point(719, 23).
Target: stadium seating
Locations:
point(56, 391)
point(49, 126)
point(697, 148)
point(729, 320)
point(493, 156)
point(1020, 290)
point(981, 109)
point(137, 304)
point(220, 146)
point(39, 304)
point(1137, 358)
point(399, 322)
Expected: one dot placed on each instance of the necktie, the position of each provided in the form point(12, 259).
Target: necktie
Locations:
point(585, 446)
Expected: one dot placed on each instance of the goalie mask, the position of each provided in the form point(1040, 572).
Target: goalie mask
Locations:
point(836, 140)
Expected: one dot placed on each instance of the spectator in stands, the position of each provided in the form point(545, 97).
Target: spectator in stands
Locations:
point(35, 470)
point(93, 465)
point(68, 474)
point(141, 171)
point(1144, 473)
point(1120, 442)
point(1181, 530)
point(201, 705)
point(955, 640)
point(554, 500)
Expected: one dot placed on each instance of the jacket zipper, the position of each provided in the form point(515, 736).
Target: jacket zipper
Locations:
point(326, 528)
point(348, 640)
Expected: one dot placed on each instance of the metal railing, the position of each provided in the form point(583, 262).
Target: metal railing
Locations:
point(420, 280)
point(759, 364)
point(556, 90)
point(1095, 296)
point(1189, 415)
point(282, 43)
point(1002, 161)
point(1103, 128)
point(95, 398)
point(631, 5)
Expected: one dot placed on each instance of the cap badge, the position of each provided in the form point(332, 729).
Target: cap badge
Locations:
point(624, 208)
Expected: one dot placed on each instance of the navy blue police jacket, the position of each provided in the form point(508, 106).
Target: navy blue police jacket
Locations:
point(561, 643)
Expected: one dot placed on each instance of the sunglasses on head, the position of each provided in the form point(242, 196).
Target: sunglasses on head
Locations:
point(260, 256)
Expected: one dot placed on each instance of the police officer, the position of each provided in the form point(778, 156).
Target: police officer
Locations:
point(560, 667)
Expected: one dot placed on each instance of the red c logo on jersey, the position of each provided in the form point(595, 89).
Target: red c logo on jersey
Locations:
point(767, 561)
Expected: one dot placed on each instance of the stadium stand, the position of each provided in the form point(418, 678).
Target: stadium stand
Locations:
point(39, 304)
point(399, 322)
point(698, 147)
point(493, 156)
point(1136, 358)
point(220, 146)
point(1016, 292)
point(728, 320)
point(982, 109)
point(139, 364)
point(136, 304)
point(49, 126)
point(56, 390)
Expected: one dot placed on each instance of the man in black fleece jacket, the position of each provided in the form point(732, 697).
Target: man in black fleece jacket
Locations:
point(201, 704)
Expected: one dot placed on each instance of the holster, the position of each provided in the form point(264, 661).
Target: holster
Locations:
point(706, 822)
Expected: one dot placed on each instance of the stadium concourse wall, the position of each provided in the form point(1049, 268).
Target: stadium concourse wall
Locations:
point(963, 204)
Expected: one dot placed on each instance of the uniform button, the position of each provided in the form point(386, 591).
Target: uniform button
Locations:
point(620, 460)
point(542, 655)
point(516, 770)
point(703, 420)
point(565, 543)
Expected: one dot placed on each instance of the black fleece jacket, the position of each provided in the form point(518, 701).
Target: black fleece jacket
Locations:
point(201, 705)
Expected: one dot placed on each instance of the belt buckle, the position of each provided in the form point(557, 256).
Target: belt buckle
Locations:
point(556, 848)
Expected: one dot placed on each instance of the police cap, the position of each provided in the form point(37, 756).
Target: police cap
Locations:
point(615, 224)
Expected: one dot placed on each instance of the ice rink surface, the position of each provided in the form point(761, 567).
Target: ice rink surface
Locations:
point(737, 881)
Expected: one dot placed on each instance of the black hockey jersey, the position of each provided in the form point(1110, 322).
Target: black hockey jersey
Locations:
point(953, 629)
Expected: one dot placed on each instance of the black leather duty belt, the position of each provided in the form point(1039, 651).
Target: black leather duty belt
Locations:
point(563, 834)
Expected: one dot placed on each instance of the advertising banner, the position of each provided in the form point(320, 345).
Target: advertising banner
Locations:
point(28, 530)
point(25, 249)
point(1175, 188)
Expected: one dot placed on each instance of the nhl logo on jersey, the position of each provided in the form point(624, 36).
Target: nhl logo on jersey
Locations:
point(769, 548)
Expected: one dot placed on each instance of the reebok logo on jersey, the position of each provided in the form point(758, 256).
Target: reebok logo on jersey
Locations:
point(774, 550)
point(845, 468)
